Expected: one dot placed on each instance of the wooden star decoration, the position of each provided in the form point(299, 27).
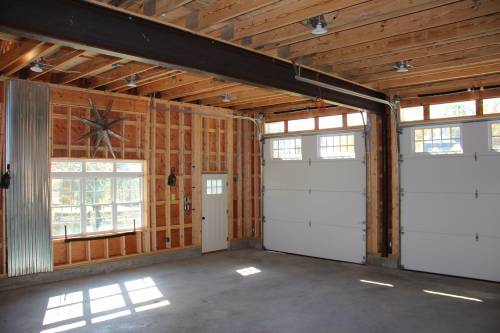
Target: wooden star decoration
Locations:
point(100, 128)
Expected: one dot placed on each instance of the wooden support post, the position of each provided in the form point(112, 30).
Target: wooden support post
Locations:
point(247, 181)
point(168, 220)
point(152, 172)
point(230, 170)
point(197, 148)
point(240, 178)
point(181, 179)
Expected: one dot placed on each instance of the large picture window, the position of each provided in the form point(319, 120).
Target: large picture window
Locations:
point(89, 196)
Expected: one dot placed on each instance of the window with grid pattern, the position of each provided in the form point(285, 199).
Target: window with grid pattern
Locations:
point(286, 148)
point(337, 146)
point(495, 136)
point(214, 186)
point(96, 196)
point(438, 140)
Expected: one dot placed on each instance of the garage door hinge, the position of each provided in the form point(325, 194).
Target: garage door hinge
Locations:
point(309, 191)
point(263, 188)
point(263, 219)
point(309, 223)
point(402, 192)
point(402, 230)
point(477, 237)
point(401, 158)
point(475, 156)
point(263, 162)
point(309, 162)
point(476, 194)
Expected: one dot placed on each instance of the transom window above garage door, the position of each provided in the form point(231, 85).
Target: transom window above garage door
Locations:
point(450, 110)
point(438, 140)
point(336, 146)
point(286, 148)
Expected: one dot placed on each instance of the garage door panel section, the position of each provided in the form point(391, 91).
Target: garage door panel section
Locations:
point(337, 242)
point(286, 205)
point(287, 236)
point(437, 173)
point(440, 253)
point(316, 206)
point(334, 208)
point(286, 175)
point(450, 207)
point(341, 175)
point(438, 212)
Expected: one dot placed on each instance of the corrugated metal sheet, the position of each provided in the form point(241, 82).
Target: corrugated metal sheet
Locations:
point(29, 244)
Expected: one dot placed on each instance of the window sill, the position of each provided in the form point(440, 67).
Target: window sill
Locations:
point(89, 237)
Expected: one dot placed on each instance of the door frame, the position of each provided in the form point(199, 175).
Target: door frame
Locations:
point(203, 186)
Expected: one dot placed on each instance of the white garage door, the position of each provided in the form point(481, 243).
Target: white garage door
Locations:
point(450, 208)
point(315, 206)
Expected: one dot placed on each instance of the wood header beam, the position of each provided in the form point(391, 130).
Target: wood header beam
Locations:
point(102, 29)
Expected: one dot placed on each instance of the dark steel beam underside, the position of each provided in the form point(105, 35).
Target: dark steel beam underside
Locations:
point(84, 25)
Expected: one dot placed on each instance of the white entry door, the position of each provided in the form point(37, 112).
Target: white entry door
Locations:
point(214, 212)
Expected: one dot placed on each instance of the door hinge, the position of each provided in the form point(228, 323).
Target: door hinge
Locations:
point(309, 223)
point(475, 156)
point(401, 158)
point(309, 191)
point(263, 162)
point(309, 162)
point(477, 237)
point(402, 230)
point(476, 194)
point(227, 211)
point(263, 219)
point(401, 192)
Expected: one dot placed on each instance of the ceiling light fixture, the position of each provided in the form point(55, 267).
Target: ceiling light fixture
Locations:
point(401, 66)
point(36, 67)
point(131, 81)
point(226, 98)
point(318, 24)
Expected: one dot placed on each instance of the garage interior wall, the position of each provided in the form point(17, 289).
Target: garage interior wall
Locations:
point(191, 144)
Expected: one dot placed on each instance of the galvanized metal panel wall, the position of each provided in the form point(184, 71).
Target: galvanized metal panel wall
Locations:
point(27, 151)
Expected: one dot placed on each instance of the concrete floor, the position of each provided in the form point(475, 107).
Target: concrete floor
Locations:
point(289, 294)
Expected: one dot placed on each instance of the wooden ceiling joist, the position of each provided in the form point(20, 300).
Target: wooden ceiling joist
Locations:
point(97, 30)
point(118, 73)
point(23, 50)
point(456, 12)
point(87, 68)
point(56, 61)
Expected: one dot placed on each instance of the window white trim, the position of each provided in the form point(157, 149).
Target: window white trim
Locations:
point(83, 176)
point(337, 134)
point(490, 137)
point(271, 149)
point(443, 125)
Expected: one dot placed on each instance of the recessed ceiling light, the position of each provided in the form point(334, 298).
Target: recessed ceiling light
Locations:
point(318, 24)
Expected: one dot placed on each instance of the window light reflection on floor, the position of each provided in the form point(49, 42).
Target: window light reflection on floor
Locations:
point(452, 296)
point(66, 327)
point(248, 271)
point(109, 302)
point(377, 283)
